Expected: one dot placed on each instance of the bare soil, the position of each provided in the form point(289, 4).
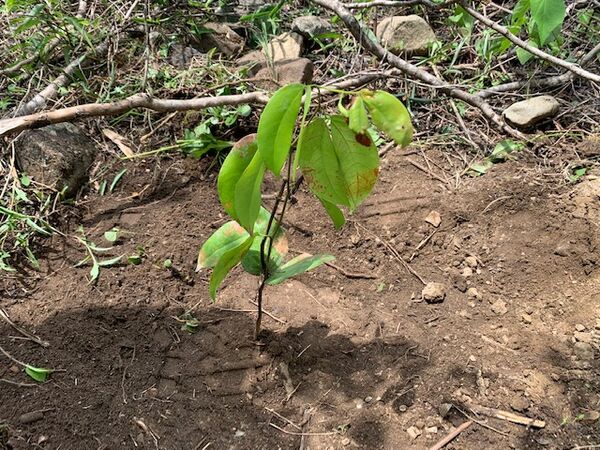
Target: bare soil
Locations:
point(366, 358)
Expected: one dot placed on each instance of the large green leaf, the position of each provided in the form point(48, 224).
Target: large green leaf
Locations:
point(247, 195)
point(548, 15)
point(339, 166)
point(358, 161)
point(389, 115)
point(228, 261)
point(298, 265)
point(232, 169)
point(227, 237)
point(276, 126)
point(319, 163)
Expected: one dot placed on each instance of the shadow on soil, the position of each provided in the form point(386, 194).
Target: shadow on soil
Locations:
point(133, 379)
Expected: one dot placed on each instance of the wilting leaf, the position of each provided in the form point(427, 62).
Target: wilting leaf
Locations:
point(232, 169)
point(112, 235)
point(251, 261)
point(389, 115)
point(227, 237)
point(298, 265)
point(339, 167)
point(232, 235)
point(276, 126)
point(228, 261)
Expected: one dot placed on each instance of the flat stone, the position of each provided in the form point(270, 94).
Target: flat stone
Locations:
point(221, 37)
point(310, 26)
point(526, 318)
point(434, 219)
point(182, 57)
point(583, 351)
point(285, 46)
point(530, 112)
point(434, 292)
point(286, 71)
point(58, 156)
point(413, 432)
point(580, 327)
point(583, 337)
point(499, 307)
point(406, 34)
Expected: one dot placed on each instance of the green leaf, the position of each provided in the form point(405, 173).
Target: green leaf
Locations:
point(112, 235)
point(389, 115)
point(94, 272)
point(503, 149)
point(357, 116)
point(39, 374)
point(336, 214)
point(116, 180)
point(227, 237)
point(134, 260)
point(102, 188)
point(339, 166)
point(228, 261)
point(247, 195)
point(25, 180)
point(110, 262)
point(251, 261)
point(548, 15)
point(232, 169)
point(523, 55)
point(276, 126)
point(298, 265)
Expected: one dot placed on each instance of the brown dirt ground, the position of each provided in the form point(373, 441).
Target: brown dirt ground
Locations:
point(366, 358)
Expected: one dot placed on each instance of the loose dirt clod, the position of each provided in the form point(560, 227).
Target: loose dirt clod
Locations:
point(434, 292)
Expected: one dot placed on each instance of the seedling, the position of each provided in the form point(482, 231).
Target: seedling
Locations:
point(337, 158)
point(93, 250)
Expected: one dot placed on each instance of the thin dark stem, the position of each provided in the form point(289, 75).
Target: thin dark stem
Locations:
point(259, 298)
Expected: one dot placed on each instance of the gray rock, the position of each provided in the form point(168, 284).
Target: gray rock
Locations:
point(519, 403)
point(181, 56)
point(406, 34)
point(471, 261)
point(285, 46)
point(499, 307)
point(434, 292)
point(221, 37)
point(58, 156)
point(309, 26)
point(583, 351)
point(286, 71)
point(254, 61)
point(530, 112)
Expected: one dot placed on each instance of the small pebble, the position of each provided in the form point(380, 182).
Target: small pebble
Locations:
point(413, 432)
point(471, 261)
point(526, 318)
point(473, 294)
point(580, 327)
point(368, 399)
point(499, 307)
point(434, 219)
point(467, 272)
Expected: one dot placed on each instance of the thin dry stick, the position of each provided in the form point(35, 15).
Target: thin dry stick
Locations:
point(395, 253)
point(268, 313)
point(507, 415)
point(24, 332)
point(577, 70)
point(427, 171)
point(450, 436)
point(362, 36)
point(348, 274)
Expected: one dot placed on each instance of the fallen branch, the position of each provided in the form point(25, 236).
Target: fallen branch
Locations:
point(411, 70)
point(49, 92)
point(44, 118)
point(372, 4)
point(574, 68)
point(450, 436)
point(550, 82)
point(507, 415)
